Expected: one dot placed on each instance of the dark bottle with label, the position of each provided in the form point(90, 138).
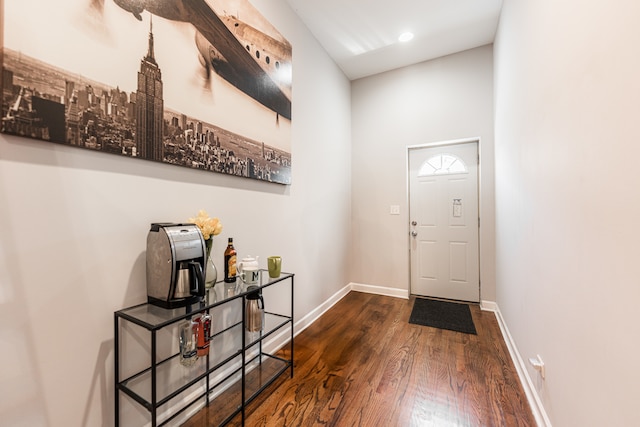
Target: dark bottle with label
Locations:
point(230, 263)
point(204, 334)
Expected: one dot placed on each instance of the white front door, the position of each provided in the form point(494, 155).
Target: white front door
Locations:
point(444, 222)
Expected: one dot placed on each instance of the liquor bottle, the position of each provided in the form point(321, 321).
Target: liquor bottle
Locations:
point(230, 262)
point(204, 332)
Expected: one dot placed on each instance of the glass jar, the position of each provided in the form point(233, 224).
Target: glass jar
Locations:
point(188, 342)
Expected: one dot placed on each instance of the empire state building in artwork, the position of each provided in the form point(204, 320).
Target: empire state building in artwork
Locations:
point(149, 107)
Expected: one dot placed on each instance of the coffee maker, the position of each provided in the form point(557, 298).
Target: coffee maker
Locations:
point(175, 264)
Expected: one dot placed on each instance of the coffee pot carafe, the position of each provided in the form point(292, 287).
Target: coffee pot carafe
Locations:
point(188, 279)
point(254, 310)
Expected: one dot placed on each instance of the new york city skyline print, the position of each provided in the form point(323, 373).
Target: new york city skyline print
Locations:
point(206, 85)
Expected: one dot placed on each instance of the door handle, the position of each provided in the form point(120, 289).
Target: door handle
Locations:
point(414, 233)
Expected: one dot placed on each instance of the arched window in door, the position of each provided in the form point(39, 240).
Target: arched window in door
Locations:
point(442, 164)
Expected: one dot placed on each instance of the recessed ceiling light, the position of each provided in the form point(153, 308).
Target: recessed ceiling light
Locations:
point(405, 37)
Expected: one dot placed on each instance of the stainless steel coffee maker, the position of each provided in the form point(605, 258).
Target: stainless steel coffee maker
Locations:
point(175, 264)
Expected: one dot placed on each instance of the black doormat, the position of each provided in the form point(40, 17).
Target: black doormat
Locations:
point(442, 314)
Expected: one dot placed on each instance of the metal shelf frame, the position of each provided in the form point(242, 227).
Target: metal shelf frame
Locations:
point(153, 319)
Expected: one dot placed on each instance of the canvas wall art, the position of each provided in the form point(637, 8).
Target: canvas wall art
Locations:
point(204, 84)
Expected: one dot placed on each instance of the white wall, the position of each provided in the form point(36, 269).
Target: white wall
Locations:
point(567, 202)
point(73, 227)
point(445, 99)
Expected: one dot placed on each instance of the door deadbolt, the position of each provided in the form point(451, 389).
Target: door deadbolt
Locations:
point(414, 223)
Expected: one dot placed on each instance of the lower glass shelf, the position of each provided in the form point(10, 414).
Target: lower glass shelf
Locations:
point(261, 372)
point(172, 376)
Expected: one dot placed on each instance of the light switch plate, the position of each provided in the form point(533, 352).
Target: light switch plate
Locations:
point(394, 210)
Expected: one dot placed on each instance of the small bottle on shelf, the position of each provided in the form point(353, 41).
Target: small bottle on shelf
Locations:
point(204, 334)
point(230, 262)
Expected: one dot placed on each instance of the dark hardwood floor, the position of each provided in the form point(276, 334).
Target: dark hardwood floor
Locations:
point(363, 364)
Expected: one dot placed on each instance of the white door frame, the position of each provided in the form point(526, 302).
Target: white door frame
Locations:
point(408, 225)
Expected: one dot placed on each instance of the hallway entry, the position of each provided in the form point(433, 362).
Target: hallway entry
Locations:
point(444, 222)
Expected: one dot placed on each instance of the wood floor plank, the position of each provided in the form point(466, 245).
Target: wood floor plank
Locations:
point(363, 364)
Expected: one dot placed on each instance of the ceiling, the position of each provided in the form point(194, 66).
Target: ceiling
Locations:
point(362, 35)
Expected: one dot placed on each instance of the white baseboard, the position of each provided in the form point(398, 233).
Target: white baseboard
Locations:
point(488, 306)
point(530, 391)
point(312, 316)
point(379, 290)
